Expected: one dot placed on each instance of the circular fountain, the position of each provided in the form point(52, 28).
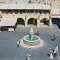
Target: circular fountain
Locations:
point(31, 40)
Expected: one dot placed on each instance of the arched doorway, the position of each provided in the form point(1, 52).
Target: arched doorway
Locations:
point(45, 21)
point(32, 21)
point(56, 21)
point(20, 22)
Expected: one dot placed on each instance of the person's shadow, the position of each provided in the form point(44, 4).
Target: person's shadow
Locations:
point(48, 55)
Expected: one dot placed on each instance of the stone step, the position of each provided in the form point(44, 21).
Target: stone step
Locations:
point(41, 23)
point(20, 25)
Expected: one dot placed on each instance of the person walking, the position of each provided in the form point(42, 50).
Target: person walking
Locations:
point(55, 52)
point(53, 38)
point(18, 42)
point(51, 56)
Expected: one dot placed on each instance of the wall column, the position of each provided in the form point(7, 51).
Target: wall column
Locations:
point(38, 23)
point(50, 22)
point(25, 20)
point(0, 29)
point(25, 23)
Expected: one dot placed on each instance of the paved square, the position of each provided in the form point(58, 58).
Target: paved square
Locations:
point(8, 44)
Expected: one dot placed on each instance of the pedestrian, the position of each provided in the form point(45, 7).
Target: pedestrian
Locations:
point(53, 38)
point(28, 57)
point(55, 52)
point(51, 56)
point(37, 33)
point(18, 42)
point(56, 49)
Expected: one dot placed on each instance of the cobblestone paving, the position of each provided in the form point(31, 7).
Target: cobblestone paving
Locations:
point(8, 44)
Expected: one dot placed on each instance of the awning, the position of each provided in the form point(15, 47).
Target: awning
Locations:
point(55, 15)
point(8, 22)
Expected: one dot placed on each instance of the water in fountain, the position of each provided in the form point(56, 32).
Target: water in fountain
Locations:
point(31, 33)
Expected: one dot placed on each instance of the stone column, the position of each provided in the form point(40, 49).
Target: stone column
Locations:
point(25, 23)
point(38, 23)
point(25, 20)
point(0, 29)
point(50, 22)
point(0, 15)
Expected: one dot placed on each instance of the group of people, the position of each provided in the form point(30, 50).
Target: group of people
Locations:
point(54, 53)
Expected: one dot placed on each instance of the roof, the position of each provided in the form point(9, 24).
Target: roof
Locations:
point(23, 6)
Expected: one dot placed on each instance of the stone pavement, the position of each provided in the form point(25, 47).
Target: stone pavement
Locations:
point(8, 44)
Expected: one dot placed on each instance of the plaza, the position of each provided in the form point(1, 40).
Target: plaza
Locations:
point(16, 19)
point(8, 43)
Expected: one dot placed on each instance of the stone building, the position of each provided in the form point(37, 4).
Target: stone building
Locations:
point(28, 12)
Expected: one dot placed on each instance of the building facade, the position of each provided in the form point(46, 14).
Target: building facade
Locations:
point(27, 12)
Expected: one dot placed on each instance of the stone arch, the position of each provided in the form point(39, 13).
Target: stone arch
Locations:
point(20, 21)
point(45, 21)
point(32, 21)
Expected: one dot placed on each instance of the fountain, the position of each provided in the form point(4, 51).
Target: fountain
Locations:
point(31, 40)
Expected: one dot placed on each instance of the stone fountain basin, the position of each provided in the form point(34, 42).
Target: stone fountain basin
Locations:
point(34, 41)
